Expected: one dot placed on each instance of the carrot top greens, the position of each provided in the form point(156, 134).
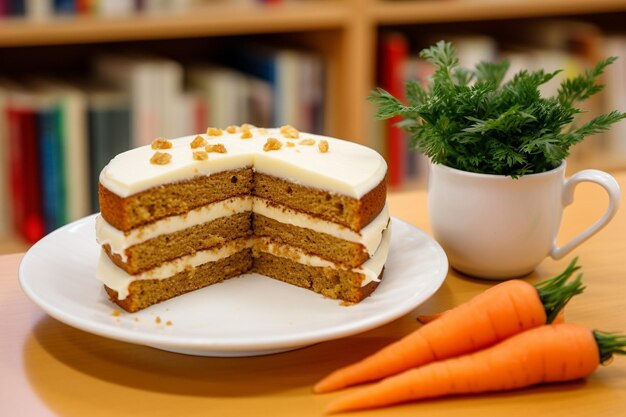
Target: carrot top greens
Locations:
point(556, 292)
point(471, 120)
point(609, 344)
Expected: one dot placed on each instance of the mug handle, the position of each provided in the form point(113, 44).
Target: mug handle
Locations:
point(611, 186)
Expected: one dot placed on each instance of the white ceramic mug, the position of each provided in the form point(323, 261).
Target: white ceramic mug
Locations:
point(497, 227)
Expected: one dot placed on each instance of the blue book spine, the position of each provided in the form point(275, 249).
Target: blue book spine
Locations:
point(64, 7)
point(49, 169)
point(17, 7)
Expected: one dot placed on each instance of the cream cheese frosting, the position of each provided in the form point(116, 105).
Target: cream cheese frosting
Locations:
point(346, 168)
point(119, 280)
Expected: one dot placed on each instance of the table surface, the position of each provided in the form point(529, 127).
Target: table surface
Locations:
point(49, 368)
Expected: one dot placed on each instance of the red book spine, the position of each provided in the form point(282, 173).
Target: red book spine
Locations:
point(24, 173)
point(393, 56)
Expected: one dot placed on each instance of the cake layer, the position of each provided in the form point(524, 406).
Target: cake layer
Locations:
point(172, 199)
point(344, 168)
point(337, 250)
point(144, 293)
point(331, 282)
point(163, 248)
point(335, 208)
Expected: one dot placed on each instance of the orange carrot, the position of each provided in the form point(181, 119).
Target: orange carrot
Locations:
point(427, 318)
point(552, 353)
point(494, 315)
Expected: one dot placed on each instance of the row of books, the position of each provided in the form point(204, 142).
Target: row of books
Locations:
point(567, 45)
point(56, 136)
point(43, 9)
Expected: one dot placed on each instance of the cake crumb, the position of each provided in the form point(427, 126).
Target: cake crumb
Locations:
point(323, 146)
point(168, 323)
point(290, 144)
point(307, 142)
point(161, 143)
point(198, 142)
point(247, 126)
point(157, 320)
point(200, 155)
point(217, 148)
point(212, 131)
point(272, 144)
point(160, 158)
point(137, 319)
point(290, 132)
point(232, 129)
point(116, 313)
point(345, 303)
point(246, 134)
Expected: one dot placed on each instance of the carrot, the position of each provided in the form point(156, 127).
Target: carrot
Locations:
point(494, 315)
point(551, 353)
point(427, 318)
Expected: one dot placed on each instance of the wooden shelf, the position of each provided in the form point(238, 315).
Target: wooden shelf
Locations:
point(211, 20)
point(12, 244)
point(437, 11)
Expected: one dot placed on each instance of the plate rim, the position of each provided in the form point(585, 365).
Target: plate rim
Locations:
point(209, 344)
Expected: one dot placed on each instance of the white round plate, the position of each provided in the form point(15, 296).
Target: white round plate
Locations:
point(244, 316)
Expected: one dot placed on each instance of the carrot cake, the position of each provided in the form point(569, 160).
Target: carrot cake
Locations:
point(185, 213)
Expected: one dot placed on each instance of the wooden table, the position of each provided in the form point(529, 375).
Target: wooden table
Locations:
point(48, 368)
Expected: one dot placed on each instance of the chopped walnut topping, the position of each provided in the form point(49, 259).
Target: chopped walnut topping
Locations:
point(323, 146)
point(116, 313)
point(232, 129)
point(161, 158)
point(307, 142)
point(247, 126)
point(217, 148)
point(289, 131)
point(200, 155)
point(157, 320)
point(198, 142)
point(290, 144)
point(214, 132)
point(246, 134)
point(272, 144)
point(161, 143)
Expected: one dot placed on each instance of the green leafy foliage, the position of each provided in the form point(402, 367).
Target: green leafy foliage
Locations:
point(470, 120)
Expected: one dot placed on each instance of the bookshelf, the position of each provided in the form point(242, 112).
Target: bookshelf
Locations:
point(344, 32)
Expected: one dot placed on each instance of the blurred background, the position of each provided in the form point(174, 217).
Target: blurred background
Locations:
point(82, 80)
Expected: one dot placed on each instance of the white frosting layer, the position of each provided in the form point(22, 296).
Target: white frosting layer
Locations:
point(119, 280)
point(347, 168)
point(370, 236)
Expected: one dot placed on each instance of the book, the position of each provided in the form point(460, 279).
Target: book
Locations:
point(109, 126)
point(51, 155)
point(6, 217)
point(24, 164)
point(292, 76)
point(70, 104)
point(155, 87)
point(225, 92)
point(393, 53)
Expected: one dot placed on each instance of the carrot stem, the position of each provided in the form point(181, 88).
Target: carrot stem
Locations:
point(556, 292)
point(609, 344)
